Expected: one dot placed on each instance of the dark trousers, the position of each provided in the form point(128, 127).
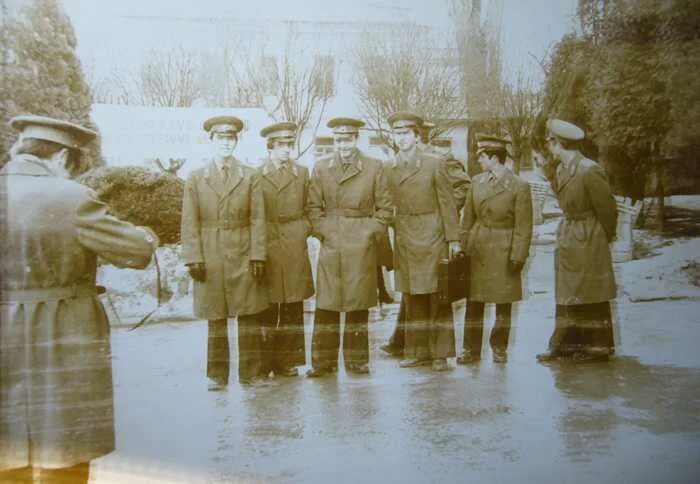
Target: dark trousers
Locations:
point(77, 474)
point(429, 327)
point(284, 335)
point(474, 327)
point(252, 343)
point(582, 326)
point(397, 340)
point(326, 338)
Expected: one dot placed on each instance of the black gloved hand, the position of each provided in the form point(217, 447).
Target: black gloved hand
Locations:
point(514, 267)
point(197, 271)
point(258, 268)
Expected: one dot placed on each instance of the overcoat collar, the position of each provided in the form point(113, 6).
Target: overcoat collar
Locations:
point(271, 171)
point(410, 168)
point(566, 171)
point(341, 174)
point(26, 165)
point(215, 179)
point(491, 189)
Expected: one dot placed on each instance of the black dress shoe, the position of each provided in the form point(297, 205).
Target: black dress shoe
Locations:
point(317, 372)
point(440, 364)
point(392, 350)
point(359, 368)
point(413, 362)
point(468, 357)
point(215, 386)
point(548, 356)
point(292, 371)
point(598, 353)
point(500, 356)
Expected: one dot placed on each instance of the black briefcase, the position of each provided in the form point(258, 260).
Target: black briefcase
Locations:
point(453, 279)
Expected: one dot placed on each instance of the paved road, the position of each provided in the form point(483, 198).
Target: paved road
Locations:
point(633, 420)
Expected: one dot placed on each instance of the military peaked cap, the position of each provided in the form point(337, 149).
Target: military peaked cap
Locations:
point(50, 129)
point(404, 119)
point(345, 125)
point(565, 130)
point(225, 125)
point(284, 130)
point(485, 141)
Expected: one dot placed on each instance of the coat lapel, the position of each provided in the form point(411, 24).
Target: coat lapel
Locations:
point(352, 170)
point(410, 169)
point(492, 189)
point(270, 172)
point(235, 178)
point(214, 180)
point(286, 176)
point(566, 173)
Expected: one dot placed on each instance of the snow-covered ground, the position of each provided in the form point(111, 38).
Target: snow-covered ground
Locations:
point(688, 202)
point(672, 273)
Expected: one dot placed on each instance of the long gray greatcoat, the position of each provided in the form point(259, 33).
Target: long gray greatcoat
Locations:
point(583, 264)
point(223, 226)
point(350, 208)
point(287, 269)
point(426, 218)
point(55, 362)
point(497, 222)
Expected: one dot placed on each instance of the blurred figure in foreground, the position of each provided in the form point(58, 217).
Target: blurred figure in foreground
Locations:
point(56, 409)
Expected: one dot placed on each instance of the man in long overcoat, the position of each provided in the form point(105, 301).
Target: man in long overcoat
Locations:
point(584, 278)
point(350, 208)
point(497, 226)
point(223, 241)
point(460, 186)
point(288, 277)
point(426, 227)
point(56, 410)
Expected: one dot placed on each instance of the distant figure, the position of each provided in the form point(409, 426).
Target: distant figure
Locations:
point(497, 223)
point(223, 244)
point(585, 282)
point(288, 277)
point(56, 406)
point(350, 208)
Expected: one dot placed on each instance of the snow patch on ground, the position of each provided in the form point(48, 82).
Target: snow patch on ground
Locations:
point(131, 294)
point(670, 274)
point(688, 202)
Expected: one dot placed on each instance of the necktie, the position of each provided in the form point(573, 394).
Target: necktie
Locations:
point(227, 172)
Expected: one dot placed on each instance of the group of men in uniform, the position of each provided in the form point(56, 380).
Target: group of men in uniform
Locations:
point(244, 237)
point(244, 234)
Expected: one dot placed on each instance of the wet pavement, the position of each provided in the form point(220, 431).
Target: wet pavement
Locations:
point(635, 419)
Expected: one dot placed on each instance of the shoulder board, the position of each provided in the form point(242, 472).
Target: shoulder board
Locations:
point(588, 163)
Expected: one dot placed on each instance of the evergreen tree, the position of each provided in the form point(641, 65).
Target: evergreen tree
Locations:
point(41, 73)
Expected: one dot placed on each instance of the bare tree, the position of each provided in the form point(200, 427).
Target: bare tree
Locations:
point(233, 75)
point(520, 106)
point(478, 42)
point(168, 78)
point(118, 86)
point(407, 69)
point(300, 86)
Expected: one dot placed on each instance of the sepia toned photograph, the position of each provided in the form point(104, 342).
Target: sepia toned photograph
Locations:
point(325, 241)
